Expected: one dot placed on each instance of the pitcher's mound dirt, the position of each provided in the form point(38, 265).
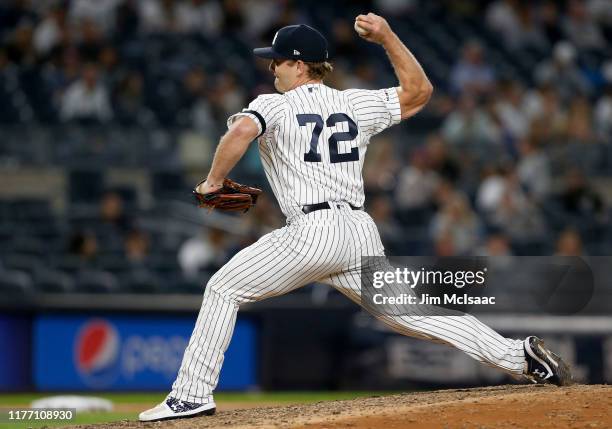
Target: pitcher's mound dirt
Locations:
point(512, 406)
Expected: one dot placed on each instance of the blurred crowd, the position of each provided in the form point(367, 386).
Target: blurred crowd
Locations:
point(107, 62)
point(523, 92)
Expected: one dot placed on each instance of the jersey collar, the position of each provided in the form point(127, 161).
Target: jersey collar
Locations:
point(307, 87)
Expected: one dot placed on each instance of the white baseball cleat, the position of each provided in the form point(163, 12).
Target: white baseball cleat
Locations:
point(172, 408)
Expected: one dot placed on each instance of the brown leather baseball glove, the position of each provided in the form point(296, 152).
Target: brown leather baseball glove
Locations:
point(232, 196)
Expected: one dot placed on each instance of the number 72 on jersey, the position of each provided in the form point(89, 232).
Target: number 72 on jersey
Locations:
point(313, 155)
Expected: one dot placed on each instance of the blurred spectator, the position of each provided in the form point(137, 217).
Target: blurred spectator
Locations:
point(380, 166)
point(264, 17)
point(469, 123)
point(515, 22)
point(416, 183)
point(336, 80)
point(549, 19)
point(100, 12)
point(108, 59)
point(509, 108)
point(547, 118)
point(158, 16)
point(226, 96)
point(112, 212)
point(579, 121)
point(361, 76)
point(569, 243)
point(471, 73)
point(129, 100)
point(207, 251)
point(199, 16)
point(62, 60)
point(265, 216)
point(496, 244)
point(579, 198)
point(516, 215)
point(498, 250)
point(601, 12)
point(86, 100)
point(202, 116)
point(603, 108)
point(67, 72)
point(444, 193)
point(396, 8)
point(194, 86)
point(533, 170)
point(91, 41)
point(50, 32)
point(345, 42)
point(15, 11)
point(581, 28)
point(233, 18)
point(20, 48)
point(7, 69)
point(84, 245)
point(502, 16)
point(380, 207)
point(491, 189)
point(136, 246)
point(561, 72)
point(127, 20)
point(458, 222)
point(444, 245)
point(440, 159)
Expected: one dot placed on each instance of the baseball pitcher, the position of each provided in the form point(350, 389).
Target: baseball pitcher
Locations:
point(312, 140)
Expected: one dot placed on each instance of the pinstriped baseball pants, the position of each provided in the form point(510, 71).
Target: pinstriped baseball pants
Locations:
point(324, 246)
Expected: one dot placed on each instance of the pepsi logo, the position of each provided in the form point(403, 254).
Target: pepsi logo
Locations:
point(96, 352)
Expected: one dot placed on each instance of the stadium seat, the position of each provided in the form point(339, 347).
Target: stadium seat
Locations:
point(30, 209)
point(168, 184)
point(93, 281)
point(15, 282)
point(85, 186)
point(53, 281)
point(113, 262)
point(28, 245)
point(140, 281)
point(180, 284)
point(22, 262)
point(69, 264)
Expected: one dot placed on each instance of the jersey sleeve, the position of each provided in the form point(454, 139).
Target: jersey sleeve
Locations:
point(376, 110)
point(266, 110)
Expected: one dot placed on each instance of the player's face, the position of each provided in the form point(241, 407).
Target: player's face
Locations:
point(286, 73)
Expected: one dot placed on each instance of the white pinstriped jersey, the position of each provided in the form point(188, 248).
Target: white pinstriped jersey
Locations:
point(313, 140)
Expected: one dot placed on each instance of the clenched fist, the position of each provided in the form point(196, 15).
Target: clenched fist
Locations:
point(375, 28)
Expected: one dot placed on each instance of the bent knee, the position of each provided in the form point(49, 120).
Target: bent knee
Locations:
point(225, 290)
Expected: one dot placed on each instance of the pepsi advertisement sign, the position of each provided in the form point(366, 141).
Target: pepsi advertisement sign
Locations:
point(128, 352)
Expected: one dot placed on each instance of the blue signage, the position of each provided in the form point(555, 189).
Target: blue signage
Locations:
point(14, 352)
point(128, 352)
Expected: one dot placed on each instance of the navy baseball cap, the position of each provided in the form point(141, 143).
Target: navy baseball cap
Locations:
point(296, 42)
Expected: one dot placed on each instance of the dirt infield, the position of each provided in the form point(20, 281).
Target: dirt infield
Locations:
point(512, 406)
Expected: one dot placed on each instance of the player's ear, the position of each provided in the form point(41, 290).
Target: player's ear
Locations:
point(302, 67)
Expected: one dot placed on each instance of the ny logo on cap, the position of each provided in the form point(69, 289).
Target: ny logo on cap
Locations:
point(296, 52)
point(274, 40)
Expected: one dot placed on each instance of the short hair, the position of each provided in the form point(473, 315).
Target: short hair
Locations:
point(319, 70)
